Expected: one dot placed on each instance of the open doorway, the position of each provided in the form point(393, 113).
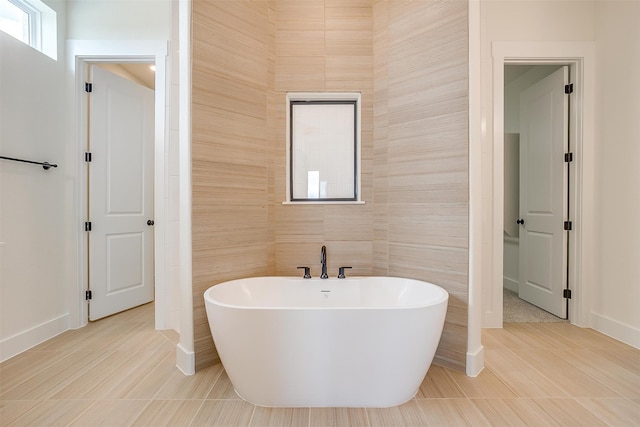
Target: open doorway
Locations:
point(580, 56)
point(82, 55)
point(119, 159)
point(536, 190)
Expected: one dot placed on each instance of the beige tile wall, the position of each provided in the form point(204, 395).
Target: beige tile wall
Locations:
point(325, 46)
point(421, 153)
point(408, 59)
point(232, 44)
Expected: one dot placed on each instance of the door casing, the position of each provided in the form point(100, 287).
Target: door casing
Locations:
point(81, 53)
point(580, 56)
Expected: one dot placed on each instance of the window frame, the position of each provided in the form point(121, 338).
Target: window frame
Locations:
point(323, 98)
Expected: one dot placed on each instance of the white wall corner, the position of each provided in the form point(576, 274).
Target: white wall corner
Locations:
point(475, 354)
point(185, 360)
point(475, 362)
point(616, 329)
point(185, 349)
point(25, 340)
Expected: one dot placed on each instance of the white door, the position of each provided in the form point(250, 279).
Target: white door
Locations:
point(543, 180)
point(121, 135)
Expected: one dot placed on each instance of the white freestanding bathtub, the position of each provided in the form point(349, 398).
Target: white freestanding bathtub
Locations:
point(354, 342)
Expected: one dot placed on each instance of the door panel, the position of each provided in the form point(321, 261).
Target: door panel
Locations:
point(539, 263)
point(125, 262)
point(543, 207)
point(120, 194)
point(539, 152)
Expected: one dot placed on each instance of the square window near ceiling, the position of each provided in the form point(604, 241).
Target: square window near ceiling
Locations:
point(323, 147)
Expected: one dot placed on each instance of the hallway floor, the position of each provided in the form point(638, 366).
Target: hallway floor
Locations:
point(121, 372)
point(516, 310)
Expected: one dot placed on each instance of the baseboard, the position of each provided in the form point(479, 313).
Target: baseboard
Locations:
point(25, 340)
point(615, 329)
point(475, 362)
point(511, 284)
point(185, 360)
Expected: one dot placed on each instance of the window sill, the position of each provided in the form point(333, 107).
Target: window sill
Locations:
point(326, 202)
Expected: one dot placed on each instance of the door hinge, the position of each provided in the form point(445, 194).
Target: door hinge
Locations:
point(87, 157)
point(568, 225)
point(568, 88)
point(88, 87)
point(566, 293)
point(87, 226)
point(568, 157)
point(88, 295)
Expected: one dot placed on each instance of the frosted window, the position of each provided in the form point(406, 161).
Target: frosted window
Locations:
point(323, 144)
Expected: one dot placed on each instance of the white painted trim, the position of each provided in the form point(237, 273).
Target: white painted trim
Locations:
point(328, 202)
point(80, 52)
point(185, 360)
point(475, 362)
point(511, 284)
point(581, 56)
point(475, 351)
point(16, 344)
point(615, 329)
point(186, 352)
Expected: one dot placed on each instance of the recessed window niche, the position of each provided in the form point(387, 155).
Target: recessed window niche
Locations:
point(323, 147)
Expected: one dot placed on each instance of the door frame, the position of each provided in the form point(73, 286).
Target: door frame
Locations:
point(81, 53)
point(580, 56)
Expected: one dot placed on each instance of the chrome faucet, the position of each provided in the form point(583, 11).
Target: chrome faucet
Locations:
point(323, 261)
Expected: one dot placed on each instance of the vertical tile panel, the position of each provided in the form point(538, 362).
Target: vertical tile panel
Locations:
point(232, 46)
point(323, 46)
point(421, 89)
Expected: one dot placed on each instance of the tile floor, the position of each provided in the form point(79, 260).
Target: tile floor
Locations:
point(120, 372)
point(520, 311)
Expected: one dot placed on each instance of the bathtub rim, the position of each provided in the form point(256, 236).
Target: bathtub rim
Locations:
point(443, 298)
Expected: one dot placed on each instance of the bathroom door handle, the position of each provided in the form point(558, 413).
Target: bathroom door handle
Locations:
point(150, 222)
point(520, 221)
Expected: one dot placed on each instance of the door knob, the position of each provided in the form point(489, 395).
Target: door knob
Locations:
point(150, 222)
point(520, 221)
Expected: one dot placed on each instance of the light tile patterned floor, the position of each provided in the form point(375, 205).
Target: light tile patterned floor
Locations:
point(120, 372)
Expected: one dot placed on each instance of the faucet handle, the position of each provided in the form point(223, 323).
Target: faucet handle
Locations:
point(307, 272)
point(341, 272)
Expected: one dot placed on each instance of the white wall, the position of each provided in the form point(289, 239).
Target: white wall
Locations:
point(139, 20)
point(119, 19)
point(508, 21)
point(612, 25)
point(38, 235)
point(513, 89)
point(39, 228)
point(618, 173)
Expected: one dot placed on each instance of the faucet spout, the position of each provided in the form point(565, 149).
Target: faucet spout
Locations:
point(323, 262)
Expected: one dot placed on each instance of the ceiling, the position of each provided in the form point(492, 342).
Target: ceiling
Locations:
point(512, 72)
point(142, 72)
